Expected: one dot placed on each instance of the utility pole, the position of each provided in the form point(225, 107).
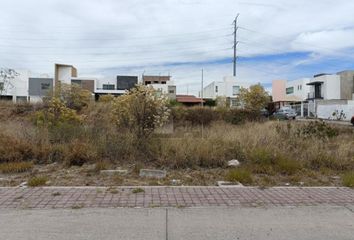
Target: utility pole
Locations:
point(202, 96)
point(235, 43)
point(202, 90)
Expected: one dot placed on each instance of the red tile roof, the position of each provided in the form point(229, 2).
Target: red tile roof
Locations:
point(188, 99)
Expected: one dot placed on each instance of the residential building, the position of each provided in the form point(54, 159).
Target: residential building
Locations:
point(320, 96)
point(162, 84)
point(64, 73)
point(115, 87)
point(16, 89)
point(126, 82)
point(229, 88)
point(332, 93)
point(39, 87)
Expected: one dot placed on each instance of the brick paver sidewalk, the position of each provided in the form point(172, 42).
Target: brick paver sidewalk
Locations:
point(78, 197)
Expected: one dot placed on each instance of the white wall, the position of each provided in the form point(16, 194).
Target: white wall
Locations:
point(99, 82)
point(64, 74)
point(162, 87)
point(225, 88)
point(301, 90)
point(19, 85)
point(326, 111)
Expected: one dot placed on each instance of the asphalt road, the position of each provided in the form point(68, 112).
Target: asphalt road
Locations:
point(320, 222)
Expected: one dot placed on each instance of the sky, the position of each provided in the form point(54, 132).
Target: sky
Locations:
point(278, 39)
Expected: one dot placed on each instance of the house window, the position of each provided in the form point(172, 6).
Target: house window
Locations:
point(108, 86)
point(235, 90)
point(78, 82)
point(163, 82)
point(45, 86)
point(156, 82)
point(300, 87)
point(290, 90)
point(147, 82)
point(171, 91)
point(1, 86)
point(216, 89)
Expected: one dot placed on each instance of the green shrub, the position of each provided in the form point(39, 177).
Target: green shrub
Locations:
point(239, 116)
point(37, 181)
point(239, 175)
point(15, 167)
point(348, 179)
point(287, 166)
point(200, 115)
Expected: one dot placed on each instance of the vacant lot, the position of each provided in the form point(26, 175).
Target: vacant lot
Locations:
point(195, 152)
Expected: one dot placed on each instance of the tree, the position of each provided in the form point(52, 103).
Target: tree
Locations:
point(141, 111)
point(255, 98)
point(7, 76)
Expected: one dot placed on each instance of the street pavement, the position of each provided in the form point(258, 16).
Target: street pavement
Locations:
point(224, 213)
point(231, 223)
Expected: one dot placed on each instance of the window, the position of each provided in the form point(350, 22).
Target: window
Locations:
point(1, 86)
point(300, 87)
point(290, 90)
point(45, 86)
point(108, 86)
point(147, 82)
point(235, 90)
point(156, 82)
point(163, 82)
point(216, 89)
point(171, 91)
point(78, 82)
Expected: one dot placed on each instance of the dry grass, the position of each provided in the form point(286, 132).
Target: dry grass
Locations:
point(269, 151)
point(348, 179)
point(239, 175)
point(16, 167)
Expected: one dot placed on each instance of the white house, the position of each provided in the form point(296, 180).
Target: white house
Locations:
point(229, 88)
point(298, 89)
point(16, 89)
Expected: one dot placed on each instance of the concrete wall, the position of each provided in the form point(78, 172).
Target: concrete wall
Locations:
point(223, 88)
point(18, 87)
point(301, 90)
point(40, 86)
point(325, 111)
point(126, 82)
point(278, 90)
point(347, 84)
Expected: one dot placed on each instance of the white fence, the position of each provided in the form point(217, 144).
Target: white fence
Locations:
point(327, 111)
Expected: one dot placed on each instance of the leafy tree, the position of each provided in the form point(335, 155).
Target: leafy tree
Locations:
point(255, 98)
point(141, 111)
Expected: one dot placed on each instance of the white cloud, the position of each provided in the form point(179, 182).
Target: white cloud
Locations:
point(137, 35)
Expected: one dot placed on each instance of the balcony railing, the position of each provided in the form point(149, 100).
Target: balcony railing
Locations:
point(313, 95)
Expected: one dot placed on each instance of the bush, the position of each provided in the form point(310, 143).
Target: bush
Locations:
point(317, 129)
point(80, 153)
point(287, 166)
point(239, 116)
point(15, 167)
point(140, 111)
point(348, 179)
point(13, 149)
point(239, 175)
point(37, 181)
point(200, 115)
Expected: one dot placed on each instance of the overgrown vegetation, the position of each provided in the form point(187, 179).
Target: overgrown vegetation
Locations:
point(73, 131)
point(37, 181)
